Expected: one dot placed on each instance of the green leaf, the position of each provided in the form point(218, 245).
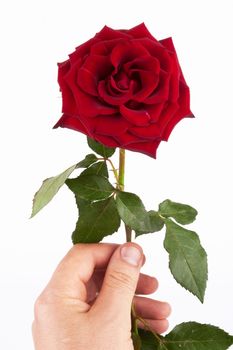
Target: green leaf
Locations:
point(87, 161)
point(91, 187)
point(187, 258)
point(188, 336)
point(99, 168)
point(149, 341)
point(99, 148)
point(132, 211)
point(155, 223)
point(196, 336)
point(184, 214)
point(96, 220)
point(52, 185)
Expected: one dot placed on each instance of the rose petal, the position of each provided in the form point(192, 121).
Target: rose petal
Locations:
point(82, 50)
point(148, 148)
point(141, 31)
point(145, 63)
point(184, 99)
point(168, 44)
point(149, 82)
point(144, 70)
point(70, 122)
point(114, 100)
point(126, 139)
point(157, 50)
point(87, 105)
point(122, 83)
point(161, 92)
point(167, 114)
point(110, 125)
point(104, 47)
point(151, 132)
point(126, 51)
point(95, 68)
point(68, 101)
point(174, 81)
point(108, 33)
point(154, 111)
point(182, 111)
point(136, 117)
point(106, 140)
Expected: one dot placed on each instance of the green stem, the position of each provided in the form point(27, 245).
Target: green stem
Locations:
point(121, 176)
point(121, 185)
point(149, 329)
point(128, 230)
point(134, 319)
point(114, 170)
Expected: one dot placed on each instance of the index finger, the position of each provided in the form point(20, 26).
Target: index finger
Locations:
point(77, 267)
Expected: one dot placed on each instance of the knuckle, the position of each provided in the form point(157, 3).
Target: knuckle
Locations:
point(38, 306)
point(42, 305)
point(119, 279)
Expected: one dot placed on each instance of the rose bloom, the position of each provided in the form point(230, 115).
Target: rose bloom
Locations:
point(124, 89)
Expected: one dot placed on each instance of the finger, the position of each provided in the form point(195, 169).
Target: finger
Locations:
point(151, 309)
point(146, 284)
point(77, 267)
point(158, 326)
point(120, 282)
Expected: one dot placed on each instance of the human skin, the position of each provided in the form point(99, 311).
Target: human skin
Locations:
point(87, 302)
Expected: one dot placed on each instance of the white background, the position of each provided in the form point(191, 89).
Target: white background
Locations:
point(193, 167)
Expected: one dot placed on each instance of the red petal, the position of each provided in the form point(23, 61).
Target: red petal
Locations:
point(108, 33)
point(88, 106)
point(148, 148)
point(144, 70)
point(106, 140)
point(184, 99)
point(114, 100)
point(82, 50)
point(167, 114)
point(136, 117)
point(140, 31)
point(168, 43)
point(110, 125)
point(161, 92)
point(154, 111)
point(70, 122)
point(127, 51)
point(158, 51)
point(68, 101)
point(148, 63)
point(104, 47)
point(121, 86)
point(174, 81)
point(150, 132)
point(95, 68)
point(149, 82)
point(183, 111)
point(126, 139)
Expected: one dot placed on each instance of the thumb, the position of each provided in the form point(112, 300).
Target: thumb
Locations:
point(120, 281)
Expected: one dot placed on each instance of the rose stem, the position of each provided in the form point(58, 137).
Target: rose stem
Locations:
point(121, 182)
point(128, 231)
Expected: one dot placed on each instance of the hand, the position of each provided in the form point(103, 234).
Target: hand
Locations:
point(87, 302)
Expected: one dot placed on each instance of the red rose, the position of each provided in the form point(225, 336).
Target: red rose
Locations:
point(124, 89)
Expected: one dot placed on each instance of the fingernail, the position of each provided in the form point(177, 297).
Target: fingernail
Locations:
point(131, 255)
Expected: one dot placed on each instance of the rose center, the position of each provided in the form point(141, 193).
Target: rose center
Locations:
point(122, 80)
